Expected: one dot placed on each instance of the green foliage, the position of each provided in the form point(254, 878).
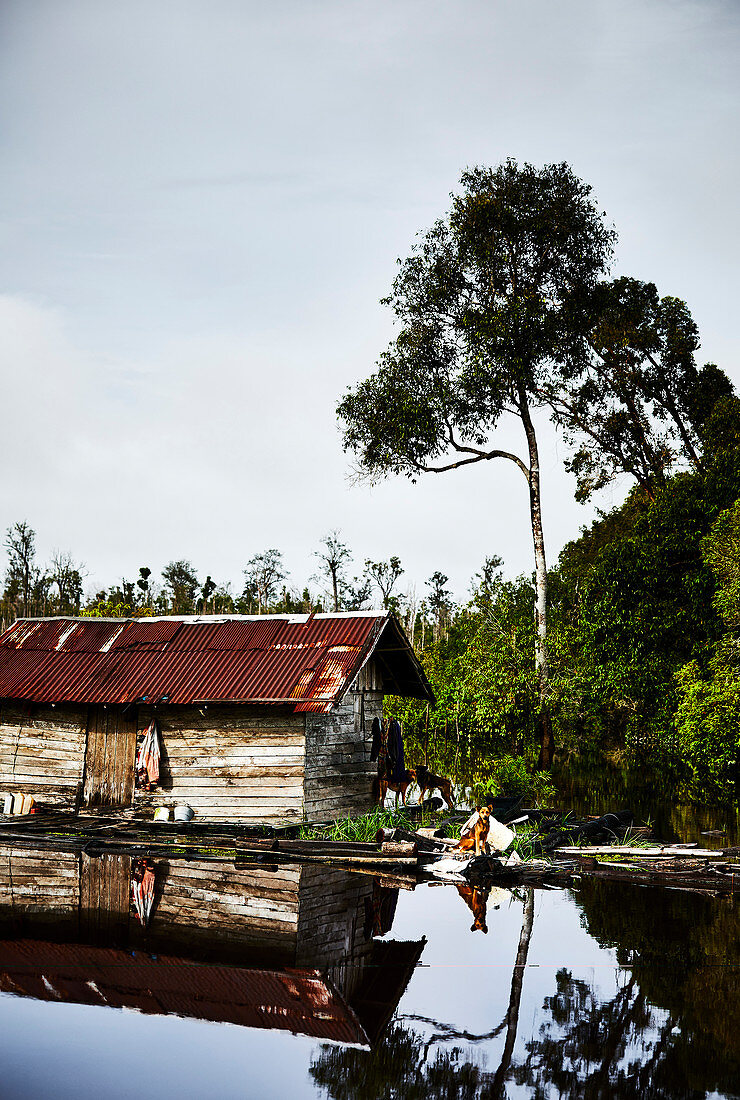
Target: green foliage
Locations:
point(111, 609)
point(485, 303)
point(364, 828)
point(708, 712)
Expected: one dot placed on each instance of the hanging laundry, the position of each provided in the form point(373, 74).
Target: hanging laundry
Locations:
point(380, 910)
point(142, 889)
point(397, 766)
point(380, 746)
point(377, 736)
point(147, 758)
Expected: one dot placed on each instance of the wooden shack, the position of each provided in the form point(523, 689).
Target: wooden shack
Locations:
point(261, 719)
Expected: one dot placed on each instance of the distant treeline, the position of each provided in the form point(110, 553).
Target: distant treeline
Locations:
point(37, 589)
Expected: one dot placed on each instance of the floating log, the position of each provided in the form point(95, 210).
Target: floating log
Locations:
point(672, 852)
point(609, 825)
point(422, 842)
point(398, 848)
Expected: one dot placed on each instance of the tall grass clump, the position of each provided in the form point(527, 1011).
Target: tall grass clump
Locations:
point(365, 827)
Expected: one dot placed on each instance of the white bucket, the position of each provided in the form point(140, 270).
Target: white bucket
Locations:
point(183, 813)
point(162, 813)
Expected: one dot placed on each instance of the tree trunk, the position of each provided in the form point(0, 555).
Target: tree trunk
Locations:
point(517, 980)
point(540, 606)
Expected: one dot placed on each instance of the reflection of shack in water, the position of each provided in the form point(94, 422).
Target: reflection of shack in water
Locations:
point(290, 948)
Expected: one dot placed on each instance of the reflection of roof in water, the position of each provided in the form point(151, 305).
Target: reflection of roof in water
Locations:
point(299, 1001)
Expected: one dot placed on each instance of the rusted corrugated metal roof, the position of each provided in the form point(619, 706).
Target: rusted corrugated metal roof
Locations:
point(300, 1001)
point(307, 661)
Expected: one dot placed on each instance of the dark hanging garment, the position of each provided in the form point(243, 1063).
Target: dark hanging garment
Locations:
point(397, 768)
point(376, 739)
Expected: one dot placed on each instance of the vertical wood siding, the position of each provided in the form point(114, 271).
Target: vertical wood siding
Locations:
point(42, 752)
point(105, 897)
point(110, 756)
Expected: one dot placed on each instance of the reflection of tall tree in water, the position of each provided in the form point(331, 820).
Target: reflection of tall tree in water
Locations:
point(402, 1066)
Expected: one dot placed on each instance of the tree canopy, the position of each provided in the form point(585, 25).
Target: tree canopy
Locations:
point(493, 305)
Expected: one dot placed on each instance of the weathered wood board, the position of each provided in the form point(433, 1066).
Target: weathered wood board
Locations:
point(42, 752)
point(339, 772)
point(237, 763)
point(110, 756)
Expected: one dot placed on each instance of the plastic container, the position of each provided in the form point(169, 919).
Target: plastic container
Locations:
point(7, 804)
point(162, 813)
point(183, 813)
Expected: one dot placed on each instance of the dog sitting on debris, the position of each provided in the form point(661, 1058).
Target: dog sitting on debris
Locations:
point(430, 782)
point(383, 784)
point(474, 833)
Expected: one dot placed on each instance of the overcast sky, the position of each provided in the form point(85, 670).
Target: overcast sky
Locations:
point(202, 204)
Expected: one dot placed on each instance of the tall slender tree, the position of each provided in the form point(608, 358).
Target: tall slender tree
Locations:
point(23, 572)
point(490, 305)
point(385, 575)
point(263, 576)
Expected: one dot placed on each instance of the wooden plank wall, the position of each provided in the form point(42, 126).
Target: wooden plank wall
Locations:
point(332, 919)
point(42, 752)
point(42, 884)
point(339, 772)
point(110, 756)
point(211, 907)
point(236, 763)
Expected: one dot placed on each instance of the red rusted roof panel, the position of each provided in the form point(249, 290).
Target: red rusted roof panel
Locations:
point(37, 633)
point(93, 636)
point(18, 667)
point(308, 662)
point(147, 633)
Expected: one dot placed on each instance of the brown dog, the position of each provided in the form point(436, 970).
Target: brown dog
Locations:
point(476, 900)
point(477, 838)
point(383, 784)
point(430, 782)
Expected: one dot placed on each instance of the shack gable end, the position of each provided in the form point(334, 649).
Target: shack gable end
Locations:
point(339, 772)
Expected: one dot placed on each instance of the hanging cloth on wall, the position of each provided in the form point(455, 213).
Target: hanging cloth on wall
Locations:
point(397, 765)
point(377, 737)
point(142, 889)
point(147, 758)
point(380, 747)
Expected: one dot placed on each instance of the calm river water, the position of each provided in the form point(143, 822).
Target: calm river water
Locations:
point(260, 982)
